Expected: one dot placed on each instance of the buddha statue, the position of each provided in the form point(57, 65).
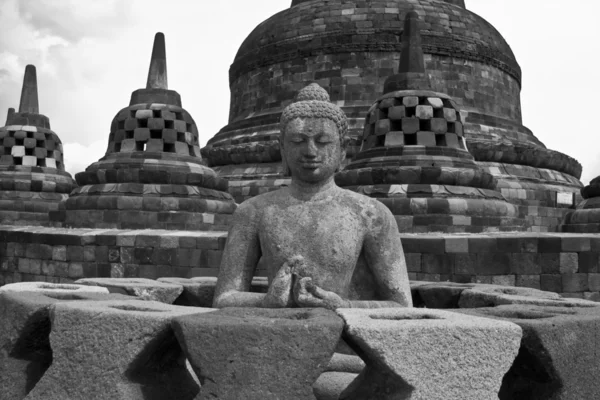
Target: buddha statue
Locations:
point(320, 244)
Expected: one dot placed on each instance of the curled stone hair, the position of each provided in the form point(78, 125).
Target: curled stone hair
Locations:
point(313, 102)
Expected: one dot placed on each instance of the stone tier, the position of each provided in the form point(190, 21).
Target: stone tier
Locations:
point(141, 190)
point(586, 218)
point(559, 262)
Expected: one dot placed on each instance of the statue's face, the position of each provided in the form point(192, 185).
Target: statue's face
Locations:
point(312, 149)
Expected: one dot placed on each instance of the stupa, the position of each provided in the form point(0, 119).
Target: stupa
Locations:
point(32, 171)
point(152, 175)
point(413, 156)
point(586, 218)
point(350, 48)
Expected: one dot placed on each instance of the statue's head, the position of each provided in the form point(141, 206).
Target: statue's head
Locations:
point(314, 134)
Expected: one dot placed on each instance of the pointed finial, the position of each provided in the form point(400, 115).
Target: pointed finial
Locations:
point(29, 93)
point(411, 58)
point(157, 74)
point(411, 71)
point(9, 115)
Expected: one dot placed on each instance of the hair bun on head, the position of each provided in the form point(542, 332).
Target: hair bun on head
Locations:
point(312, 92)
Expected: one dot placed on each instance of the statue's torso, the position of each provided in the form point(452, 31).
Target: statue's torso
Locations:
point(328, 233)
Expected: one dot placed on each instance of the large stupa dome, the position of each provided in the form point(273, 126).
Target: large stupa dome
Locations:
point(350, 48)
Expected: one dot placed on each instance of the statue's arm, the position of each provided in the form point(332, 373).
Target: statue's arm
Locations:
point(240, 258)
point(385, 257)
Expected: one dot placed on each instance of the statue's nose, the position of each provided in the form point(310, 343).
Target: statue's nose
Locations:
point(311, 149)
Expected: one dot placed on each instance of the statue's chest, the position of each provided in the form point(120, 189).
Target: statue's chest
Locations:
point(322, 231)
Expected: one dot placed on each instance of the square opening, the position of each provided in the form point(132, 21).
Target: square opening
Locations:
point(156, 113)
point(142, 123)
point(156, 134)
point(169, 124)
point(169, 147)
point(395, 125)
point(425, 125)
point(129, 134)
point(410, 139)
point(440, 140)
point(410, 111)
point(140, 146)
point(438, 113)
point(180, 136)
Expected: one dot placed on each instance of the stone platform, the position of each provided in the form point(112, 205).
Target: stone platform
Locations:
point(564, 263)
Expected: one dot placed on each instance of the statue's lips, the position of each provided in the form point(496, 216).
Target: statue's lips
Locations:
point(311, 165)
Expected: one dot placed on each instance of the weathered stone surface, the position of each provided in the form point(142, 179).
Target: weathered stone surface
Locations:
point(345, 363)
point(492, 296)
point(52, 288)
point(428, 354)
point(258, 354)
point(439, 295)
point(116, 350)
point(145, 289)
point(331, 384)
point(558, 357)
point(25, 352)
point(199, 291)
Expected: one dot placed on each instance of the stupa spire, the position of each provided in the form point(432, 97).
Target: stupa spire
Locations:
point(157, 74)
point(9, 115)
point(411, 71)
point(29, 93)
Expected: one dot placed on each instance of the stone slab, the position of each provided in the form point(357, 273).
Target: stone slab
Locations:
point(25, 352)
point(116, 350)
point(492, 296)
point(428, 354)
point(50, 288)
point(259, 354)
point(558, 357)
point(145, 289)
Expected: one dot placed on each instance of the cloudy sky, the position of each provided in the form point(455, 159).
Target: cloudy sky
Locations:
point(90, 55)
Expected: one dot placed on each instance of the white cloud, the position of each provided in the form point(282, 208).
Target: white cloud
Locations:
point(78, 157)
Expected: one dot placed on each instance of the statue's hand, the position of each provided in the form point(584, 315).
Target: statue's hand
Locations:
point(279, 294)
point(307, 294)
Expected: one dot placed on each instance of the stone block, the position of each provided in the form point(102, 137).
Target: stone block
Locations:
point(25, 352)
point(440, 295)
point(548, 365)
point(116, 350)
point(492, 296)
point(410, 125)
point(394, 139)
point(424, 112)
point(397, 113)
point(451, 350)
point(410, 101)
point(145, 289)
point(331, 384)
point(569, 263)
point(426, 138)
point(259, 354)
point(52, 288)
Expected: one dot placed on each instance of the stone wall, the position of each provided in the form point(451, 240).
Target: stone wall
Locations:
point(559, 262)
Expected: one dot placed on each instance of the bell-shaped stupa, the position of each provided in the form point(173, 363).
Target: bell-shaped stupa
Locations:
point(586, 218)
point(32, 171)
point(152, 175)
point(414, 159)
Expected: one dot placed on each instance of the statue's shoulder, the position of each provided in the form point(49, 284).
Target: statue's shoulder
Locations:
point(263, 201)
point(368, 207)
